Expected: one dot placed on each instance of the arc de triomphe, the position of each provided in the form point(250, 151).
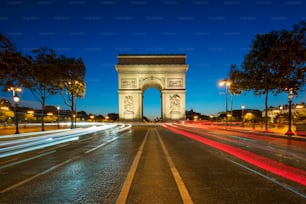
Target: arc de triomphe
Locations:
point(136, 73)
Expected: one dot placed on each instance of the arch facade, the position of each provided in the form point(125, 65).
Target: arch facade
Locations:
point(136, 73)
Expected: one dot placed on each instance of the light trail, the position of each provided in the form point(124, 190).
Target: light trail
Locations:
point(285, 171)
point(253, 134)
point(270, 179)
point(244, 140)
point(52, 168)
point(18, 146)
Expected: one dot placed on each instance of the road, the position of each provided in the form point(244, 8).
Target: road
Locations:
point(159, 164)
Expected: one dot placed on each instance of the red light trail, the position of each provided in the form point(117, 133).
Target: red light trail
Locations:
point(280, 169)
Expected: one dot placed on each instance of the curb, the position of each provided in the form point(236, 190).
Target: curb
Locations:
point(270, 134)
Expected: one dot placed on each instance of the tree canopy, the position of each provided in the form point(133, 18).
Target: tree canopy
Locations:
point(43, 72)
point(72, 84)
point(275, 63)
point(41, 75)
point(11, 63)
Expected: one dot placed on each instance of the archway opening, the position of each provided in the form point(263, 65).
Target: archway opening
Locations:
point(152, 104)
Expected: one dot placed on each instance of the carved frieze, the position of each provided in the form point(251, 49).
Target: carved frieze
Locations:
point(128, 83)
point(129, 104)
point(175, 103)
point(175, 83)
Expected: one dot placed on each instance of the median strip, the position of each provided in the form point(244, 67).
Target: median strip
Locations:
point(177, 177)
point(128, 182)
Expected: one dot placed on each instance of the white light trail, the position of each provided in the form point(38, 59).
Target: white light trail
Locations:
point(9, 148)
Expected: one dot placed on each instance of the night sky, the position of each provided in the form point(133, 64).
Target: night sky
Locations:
point(213, 35)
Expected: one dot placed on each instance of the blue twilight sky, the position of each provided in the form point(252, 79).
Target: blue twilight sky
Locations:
point(213, 34)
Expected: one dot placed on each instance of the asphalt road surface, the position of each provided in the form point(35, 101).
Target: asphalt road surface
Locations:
point(156, 164)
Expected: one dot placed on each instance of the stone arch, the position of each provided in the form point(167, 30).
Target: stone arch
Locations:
point(151, 82)
point(136, 73)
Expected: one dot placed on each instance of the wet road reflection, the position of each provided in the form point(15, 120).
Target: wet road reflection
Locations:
point(174, 164)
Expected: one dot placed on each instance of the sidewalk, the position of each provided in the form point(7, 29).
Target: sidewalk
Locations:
point(10, 130)
point(274, 131)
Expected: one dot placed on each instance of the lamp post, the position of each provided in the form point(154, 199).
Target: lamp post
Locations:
point(290, 132)
point(280, 115)
point(242, 114)
point(76, 113)
point(58, 116)
point(16, 101)
point(225, 83)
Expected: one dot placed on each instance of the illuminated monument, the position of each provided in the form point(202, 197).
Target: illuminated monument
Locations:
point(136, 73)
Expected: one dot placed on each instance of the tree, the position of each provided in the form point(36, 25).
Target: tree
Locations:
point(292, 49)
point(234, 88)
point(260, 68)
point(275, 63)
point(42, 76)
point(73, 85)
point(234, 76)
point(6, 45)
point(11, 63)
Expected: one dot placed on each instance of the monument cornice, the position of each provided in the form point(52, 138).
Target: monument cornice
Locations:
point(152, 68)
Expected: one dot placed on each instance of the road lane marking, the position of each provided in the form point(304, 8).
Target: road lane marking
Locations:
point(287, 187)
point(128, 182)
point(177, 177)
point(7, 161)
point(28, 159)
point(35, 176)
point(53, 167)
point(280, 169)
point(101, 145)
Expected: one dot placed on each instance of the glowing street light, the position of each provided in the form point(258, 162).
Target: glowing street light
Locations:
point(30, 112)
point(242, 114)
point(225, 83)
point(16, 101)
point(290, 96)
point(280, 115)
point(58, 116)
point(92, 118)
point(14, 90)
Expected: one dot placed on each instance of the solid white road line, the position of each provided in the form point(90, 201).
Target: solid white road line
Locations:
point(35, 176)
point(128, 182)
point(178, 179)
point(285, 186)
point(53, 167)
point(28, 159)
point(101, 145)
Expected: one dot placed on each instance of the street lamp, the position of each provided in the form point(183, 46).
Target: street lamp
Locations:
point(92, 118)
point(58, 116)
point(14, 90)
point(280, 115)
point(290, 96)
point(16, 101)
point(242, 114)
point(225, 83)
